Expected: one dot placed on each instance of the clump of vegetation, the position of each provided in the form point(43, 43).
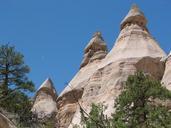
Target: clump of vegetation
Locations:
point(14, 89)
point(15, 85)
point(138, 106)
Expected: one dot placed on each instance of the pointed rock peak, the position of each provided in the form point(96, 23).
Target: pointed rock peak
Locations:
point(95, 50)
point(45, 100)
point(47, 84)
point(98, 35)
point(135, 8)
point(134, 16)
point(97, 40)
point(134, 40)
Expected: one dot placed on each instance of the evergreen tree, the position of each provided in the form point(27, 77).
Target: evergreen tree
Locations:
point(14, 83)
point(140, 105)
point(13, 71)
point(96, 118)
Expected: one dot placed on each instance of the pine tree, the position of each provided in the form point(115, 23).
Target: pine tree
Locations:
point(13, 71)
point(96, 118)
point(14, 83)
point(140, 105)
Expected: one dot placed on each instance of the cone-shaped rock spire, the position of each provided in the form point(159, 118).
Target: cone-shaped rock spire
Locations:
point(134, 16)
point(48, 85)
point(134, 50)
point(45, 100)
point(134, 39)
point(95, 50)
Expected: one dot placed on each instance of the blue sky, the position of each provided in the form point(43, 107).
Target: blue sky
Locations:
point(52, 34)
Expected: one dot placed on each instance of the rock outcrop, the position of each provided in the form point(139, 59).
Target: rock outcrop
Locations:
point(102, 81)
point(95, 50)
point(167, 74)
point(5, 122)
point(45, 100)
point(67, 105)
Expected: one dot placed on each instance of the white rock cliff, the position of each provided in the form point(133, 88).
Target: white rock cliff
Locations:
point(101, 75)
point(45, 100)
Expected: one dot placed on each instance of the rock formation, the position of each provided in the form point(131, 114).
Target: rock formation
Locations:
point(5, 122)
point(101, 81)
point(101, 75)
point(45, 100)
point(167, 74)
point(95, 50)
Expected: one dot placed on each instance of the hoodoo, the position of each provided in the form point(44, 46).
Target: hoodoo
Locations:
point(95, 50)
point(134, 39)
point(101, 77)
point(67, 102)
point(45, 100)
point(136, 16)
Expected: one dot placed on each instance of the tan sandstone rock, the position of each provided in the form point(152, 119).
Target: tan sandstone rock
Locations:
point(167, 74)
point(45, 100)
point(95, 50)
point(5, 122)
point(101, 81)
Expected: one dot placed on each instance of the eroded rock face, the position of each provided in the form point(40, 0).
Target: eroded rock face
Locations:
point(45, 100)
point(135, 16)
point(5, 122)
point(95, 50)
point(106, 83)
point(167, 74)
point(102, 80)
point(67, 105)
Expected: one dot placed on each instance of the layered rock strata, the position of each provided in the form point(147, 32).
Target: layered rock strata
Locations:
point(95, 50)
point(102, 81)
point(45, 100)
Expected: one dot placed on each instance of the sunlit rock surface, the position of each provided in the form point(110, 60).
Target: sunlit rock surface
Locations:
point(95, 50)
point(101, 81)
point(166, 81)
point(5, 122)
point(45, 100)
